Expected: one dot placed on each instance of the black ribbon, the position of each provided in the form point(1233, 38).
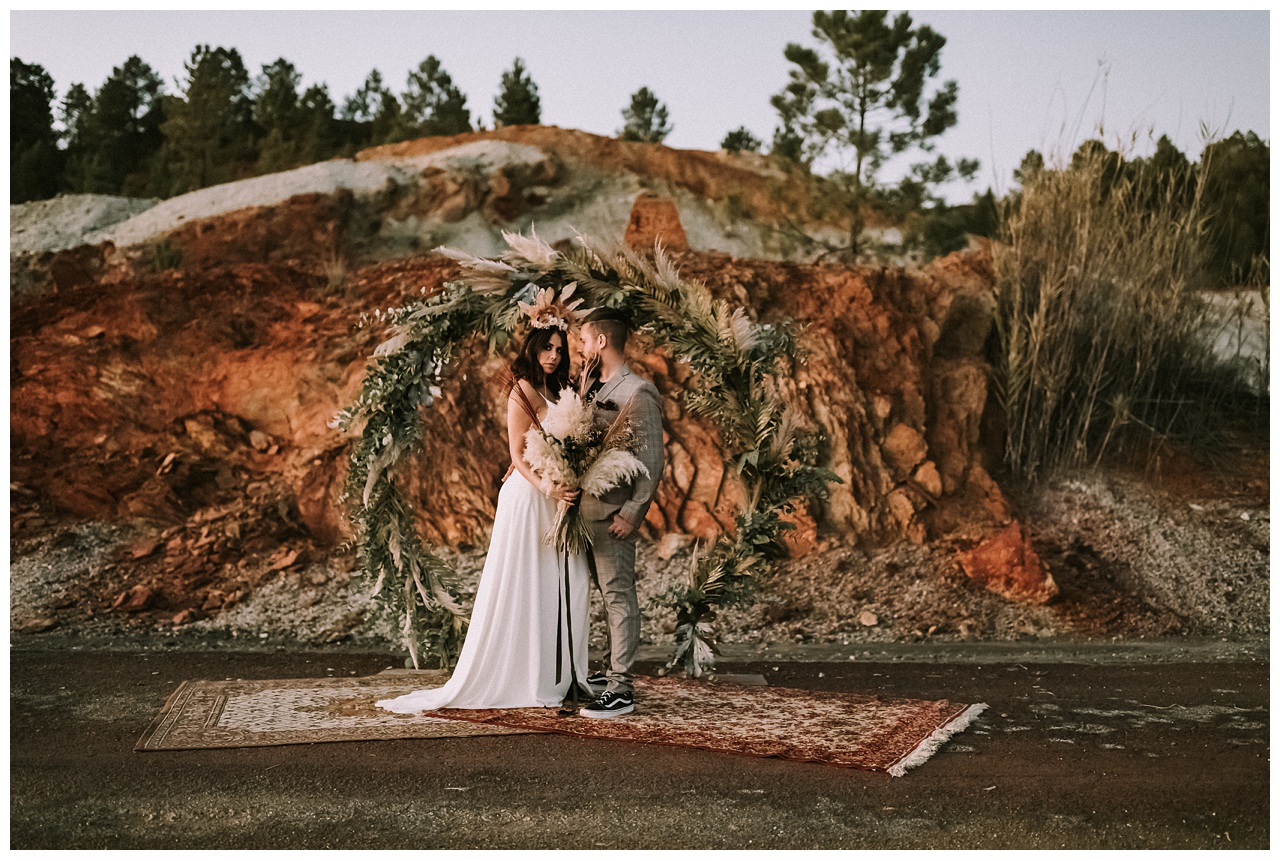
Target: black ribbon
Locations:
point(564, 630)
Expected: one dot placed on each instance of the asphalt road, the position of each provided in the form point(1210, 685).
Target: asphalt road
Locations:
point(1084, 754)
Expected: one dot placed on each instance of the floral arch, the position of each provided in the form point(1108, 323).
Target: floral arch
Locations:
point(736, 364)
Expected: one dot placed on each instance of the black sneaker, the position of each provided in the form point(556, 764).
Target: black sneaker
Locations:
point(597, 679)
point(609, 705)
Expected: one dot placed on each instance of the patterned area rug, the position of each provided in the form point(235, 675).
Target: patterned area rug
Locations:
point(215, 714)
point(843, 729)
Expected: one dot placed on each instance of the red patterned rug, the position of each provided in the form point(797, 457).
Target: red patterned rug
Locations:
point(842, 729)
point(218, 714)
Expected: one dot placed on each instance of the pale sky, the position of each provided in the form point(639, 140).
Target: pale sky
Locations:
point(1042, 80)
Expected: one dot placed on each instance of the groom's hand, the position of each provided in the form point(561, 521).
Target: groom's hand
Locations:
point(621, 528)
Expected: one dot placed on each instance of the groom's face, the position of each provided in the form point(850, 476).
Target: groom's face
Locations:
point(592, 341)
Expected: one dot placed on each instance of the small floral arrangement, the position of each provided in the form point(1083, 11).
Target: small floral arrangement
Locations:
point(576, 448)
point(547, 311)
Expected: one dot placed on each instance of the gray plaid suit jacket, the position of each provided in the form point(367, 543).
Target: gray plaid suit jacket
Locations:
point(632, 500)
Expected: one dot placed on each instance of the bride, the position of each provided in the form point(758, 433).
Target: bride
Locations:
point(527, 638)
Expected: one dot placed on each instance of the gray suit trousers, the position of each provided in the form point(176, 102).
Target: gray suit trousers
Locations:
point(613, 568)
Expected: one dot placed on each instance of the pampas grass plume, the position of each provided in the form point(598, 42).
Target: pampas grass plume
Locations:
point(611, 470)
point(568, 417)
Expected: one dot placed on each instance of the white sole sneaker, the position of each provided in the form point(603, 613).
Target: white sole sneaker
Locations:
point(604, 715)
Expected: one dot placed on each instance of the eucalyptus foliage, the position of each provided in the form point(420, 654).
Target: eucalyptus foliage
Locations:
point(736, 364)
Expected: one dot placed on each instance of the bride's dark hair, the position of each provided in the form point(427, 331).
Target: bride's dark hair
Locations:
point(526, 366)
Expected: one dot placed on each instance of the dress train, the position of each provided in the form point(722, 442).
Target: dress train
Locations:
point(521, 618)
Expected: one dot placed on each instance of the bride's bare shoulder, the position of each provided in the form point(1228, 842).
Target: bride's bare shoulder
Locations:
point(531, 395)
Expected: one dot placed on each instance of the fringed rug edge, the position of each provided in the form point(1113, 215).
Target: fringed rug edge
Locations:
point(159, 721)
point(926, 748)
point(919, 754)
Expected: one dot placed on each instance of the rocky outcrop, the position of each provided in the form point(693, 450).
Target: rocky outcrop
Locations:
point(902, 435)
point(174, 366)
point(178, 390)
point(655, 220)
point(1005, 563)
point(405, 199)
point(188, 384)
point(68, 220)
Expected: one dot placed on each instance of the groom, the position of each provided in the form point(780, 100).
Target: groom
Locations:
point(614, 518)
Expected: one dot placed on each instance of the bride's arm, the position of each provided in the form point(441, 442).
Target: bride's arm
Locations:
point(518, 424)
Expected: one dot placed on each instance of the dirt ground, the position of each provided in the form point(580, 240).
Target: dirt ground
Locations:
point(1157, 745)
point(1131, 564)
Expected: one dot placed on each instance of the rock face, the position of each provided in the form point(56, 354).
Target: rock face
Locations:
point(655, 219)
point(68, 220)
point(189, 384)
point(404, 199)
point(1006, 564)
point(906, 440)
point(181, 391)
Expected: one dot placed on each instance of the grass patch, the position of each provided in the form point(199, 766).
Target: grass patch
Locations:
point(165, 256)
point(1107, 332)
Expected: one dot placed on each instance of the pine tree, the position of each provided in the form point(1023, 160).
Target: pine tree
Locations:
point(275, 112)
point(1166, 177)
point(1032, 164)
point(124, 128)
point(74, 113)
point(317, 128)
point(388, 123)
point(787, 146)
point(645, 119)
point(517, 102)
point(1096, 152)
point(861, 96)
point(1237, 195)
point(357, 123)
point(363, 105)
point(432, 104)
point(35, 163)
point(209, 127)
point(741, 140)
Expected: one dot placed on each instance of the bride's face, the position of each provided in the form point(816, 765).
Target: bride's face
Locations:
point(552, 354)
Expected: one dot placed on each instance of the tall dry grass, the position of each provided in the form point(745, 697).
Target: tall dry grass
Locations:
point(1106, 334)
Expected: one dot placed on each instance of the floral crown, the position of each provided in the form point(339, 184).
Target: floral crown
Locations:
point(549, 312)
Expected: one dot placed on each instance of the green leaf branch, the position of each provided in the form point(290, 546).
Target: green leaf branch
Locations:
point(736, 365)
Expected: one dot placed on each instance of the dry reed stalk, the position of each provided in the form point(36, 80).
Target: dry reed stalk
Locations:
point(1103, 325)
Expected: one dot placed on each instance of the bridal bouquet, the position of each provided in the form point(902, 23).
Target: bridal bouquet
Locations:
point(577, 449)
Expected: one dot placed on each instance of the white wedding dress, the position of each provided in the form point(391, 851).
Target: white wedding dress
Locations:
point(521, 619)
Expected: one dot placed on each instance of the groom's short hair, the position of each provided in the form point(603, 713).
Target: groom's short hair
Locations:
point(613, 324)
